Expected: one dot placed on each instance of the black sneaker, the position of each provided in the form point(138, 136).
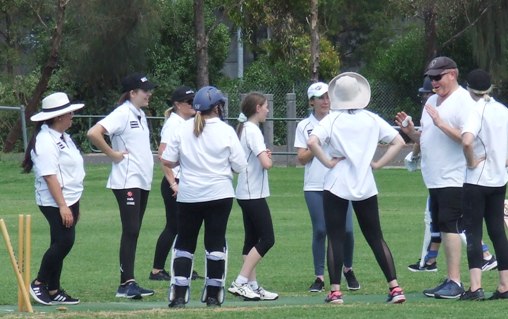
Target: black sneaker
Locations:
point(431, 291)
point(40, 293)
point(352, 283)
point(162, 275)
point(177, 303)
point(132, 290)
point(489, 264)
point(62, 298)
point(212, 302)
point(499, 295)
point(195, 275)
point(473, 295)
point(426, 267)
point(317, 286)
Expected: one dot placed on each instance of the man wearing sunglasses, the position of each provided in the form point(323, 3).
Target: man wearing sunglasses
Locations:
point(443, 164)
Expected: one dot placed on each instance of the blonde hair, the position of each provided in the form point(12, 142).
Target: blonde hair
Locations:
point(249, 108)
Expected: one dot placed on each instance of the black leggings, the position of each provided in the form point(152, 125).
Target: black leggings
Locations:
point(62, 240)
point(258, 226)
point(168, 234)
point(215, 215)
point(481, 202)
point(367, 213)
point(132, 203)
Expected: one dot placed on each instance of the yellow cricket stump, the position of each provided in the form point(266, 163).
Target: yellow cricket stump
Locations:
point(21, 284)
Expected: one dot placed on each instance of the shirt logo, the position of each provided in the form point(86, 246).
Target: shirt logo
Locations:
point(130, 199)
point(134, 124)
point(309, 132)
point(60, 145)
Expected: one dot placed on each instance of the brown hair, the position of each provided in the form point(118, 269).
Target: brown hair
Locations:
point(249, 108)
point(124, 97)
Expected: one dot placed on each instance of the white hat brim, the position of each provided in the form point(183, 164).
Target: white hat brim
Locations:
point(42, 116)
point(361, 100)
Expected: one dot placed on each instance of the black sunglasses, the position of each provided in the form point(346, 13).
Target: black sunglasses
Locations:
point(437, 77)
point(188, 101)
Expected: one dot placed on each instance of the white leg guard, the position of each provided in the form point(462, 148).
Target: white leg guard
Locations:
point(427, 234)
point(179, 280)
point(216, 255)
point(463, 238)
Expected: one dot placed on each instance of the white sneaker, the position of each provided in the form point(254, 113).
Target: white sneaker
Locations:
point(243, 290)
point(265, 294)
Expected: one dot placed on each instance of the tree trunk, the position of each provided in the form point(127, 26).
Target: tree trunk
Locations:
point(314, 40)
point(46, 72)
point(201, 44)
point(429, 16)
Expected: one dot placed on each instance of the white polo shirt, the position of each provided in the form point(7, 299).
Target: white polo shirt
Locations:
point(252, 182)
point(53, 156)
point(128, 131)
point(355, 136)
point(207, 161)
point(170, 126)
point(443, 163)
point(488, 122)
point(315, 171)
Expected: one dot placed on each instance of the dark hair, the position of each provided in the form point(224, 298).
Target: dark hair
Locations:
point(27, 163)
point(249, 107)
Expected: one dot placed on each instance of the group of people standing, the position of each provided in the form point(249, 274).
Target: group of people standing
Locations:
point(199, 157)
point(464, 147)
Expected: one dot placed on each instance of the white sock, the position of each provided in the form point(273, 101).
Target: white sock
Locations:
point(241, 280)
point(254, 284)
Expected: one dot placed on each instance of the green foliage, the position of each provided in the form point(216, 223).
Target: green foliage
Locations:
point(173, 59)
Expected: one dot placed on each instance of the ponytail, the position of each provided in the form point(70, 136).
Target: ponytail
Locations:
point(27, 163)
point(199, 124)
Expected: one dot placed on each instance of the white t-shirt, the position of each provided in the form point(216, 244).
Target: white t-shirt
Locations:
point(443, 163)
point(315, 171)
point(170, 126)
point(207, 161)
point(53, 156)
point(354, 135)
point(128, 131)
point(488, 122)
point(252, 182)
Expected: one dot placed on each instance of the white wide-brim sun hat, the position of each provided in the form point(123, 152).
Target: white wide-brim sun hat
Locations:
point(349, 90)
point(54, 105)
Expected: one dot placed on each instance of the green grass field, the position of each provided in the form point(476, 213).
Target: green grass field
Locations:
point(91, 269)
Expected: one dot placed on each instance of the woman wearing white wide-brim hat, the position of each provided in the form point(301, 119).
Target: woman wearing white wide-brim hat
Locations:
point(352, 134)
point(59, 173)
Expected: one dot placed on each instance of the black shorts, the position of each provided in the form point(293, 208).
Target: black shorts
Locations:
point(446, 208)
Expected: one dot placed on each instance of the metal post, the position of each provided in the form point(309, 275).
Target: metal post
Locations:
point(23, 126)
point(291, 126)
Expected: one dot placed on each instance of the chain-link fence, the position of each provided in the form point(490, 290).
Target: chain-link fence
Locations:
point(287, 107)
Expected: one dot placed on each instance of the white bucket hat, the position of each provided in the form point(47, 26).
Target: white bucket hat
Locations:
point(54, 105)
point(349, 90)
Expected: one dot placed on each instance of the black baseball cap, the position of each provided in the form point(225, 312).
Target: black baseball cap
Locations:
point(182, 93)
point(439, 65)
point(137, 81)
point(478, 80)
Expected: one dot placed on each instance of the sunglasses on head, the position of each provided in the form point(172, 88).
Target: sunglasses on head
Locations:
point(437, 77)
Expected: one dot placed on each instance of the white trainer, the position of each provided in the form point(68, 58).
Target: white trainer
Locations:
point(244, 290)
point(265, 294)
